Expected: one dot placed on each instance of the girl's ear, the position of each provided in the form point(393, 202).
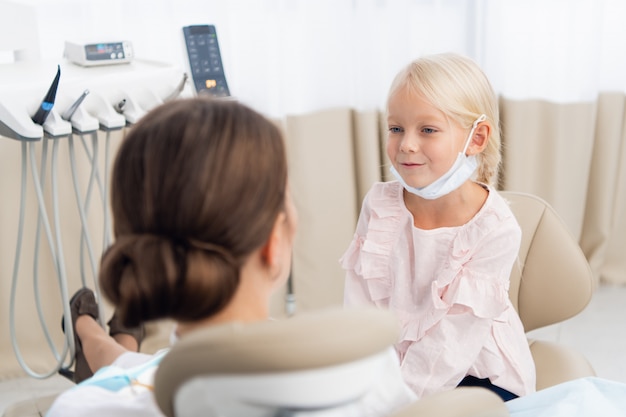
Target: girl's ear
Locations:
point(479, 139)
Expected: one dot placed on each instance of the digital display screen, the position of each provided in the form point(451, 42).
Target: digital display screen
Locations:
point(104, 51)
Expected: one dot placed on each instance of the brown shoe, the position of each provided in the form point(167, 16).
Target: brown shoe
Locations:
point(116, 327)
point(83, 302)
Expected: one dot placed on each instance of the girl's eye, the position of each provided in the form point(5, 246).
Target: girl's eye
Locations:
point(395, 129)
point(428, 130)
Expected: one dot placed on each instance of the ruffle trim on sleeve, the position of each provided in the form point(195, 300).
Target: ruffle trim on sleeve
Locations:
point(485, 296)
point(486, 299)
point(413, 329)
point(369, 256)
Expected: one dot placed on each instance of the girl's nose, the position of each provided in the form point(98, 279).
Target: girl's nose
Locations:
point(409, 144)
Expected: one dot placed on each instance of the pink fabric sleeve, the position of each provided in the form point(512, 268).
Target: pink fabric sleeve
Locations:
point(441, 359)
point(356, 292)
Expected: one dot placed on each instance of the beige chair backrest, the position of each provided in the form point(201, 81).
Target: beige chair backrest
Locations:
point(311, 362)
point(248, 357)
point(553, 280)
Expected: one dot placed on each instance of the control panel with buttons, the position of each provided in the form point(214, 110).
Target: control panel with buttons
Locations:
point(205, 60)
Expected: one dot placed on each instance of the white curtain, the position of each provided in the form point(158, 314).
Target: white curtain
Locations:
point(297, 56)
point(557, 50)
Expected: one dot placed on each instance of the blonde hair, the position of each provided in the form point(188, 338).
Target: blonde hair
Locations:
point(459, 88)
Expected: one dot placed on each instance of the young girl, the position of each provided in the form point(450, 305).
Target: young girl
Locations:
point(437, 245)
point(204, 228)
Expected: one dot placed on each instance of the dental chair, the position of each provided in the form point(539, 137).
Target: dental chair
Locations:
point(314, 364)
point(552, 282)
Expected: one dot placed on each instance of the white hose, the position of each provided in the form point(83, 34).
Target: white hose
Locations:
point(43, 218)
point(55, 244)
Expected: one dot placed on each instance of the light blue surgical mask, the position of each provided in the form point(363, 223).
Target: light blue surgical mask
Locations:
point(462, 170)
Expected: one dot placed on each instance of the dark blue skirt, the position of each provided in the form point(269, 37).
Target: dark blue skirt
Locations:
point(472, 381)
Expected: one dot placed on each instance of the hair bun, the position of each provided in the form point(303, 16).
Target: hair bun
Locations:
point(215, 248)
point(146, 275)
point(136, 268)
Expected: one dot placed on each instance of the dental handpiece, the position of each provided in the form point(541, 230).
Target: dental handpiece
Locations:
point(48, 102)
point(72, 109)
point(119, 107)
point(179, 88)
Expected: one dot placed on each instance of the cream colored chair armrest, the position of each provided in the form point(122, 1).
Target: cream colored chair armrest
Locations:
point(461, 402)
point(556, 364)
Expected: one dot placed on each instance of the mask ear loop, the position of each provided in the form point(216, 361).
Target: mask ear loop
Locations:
point(481, 118)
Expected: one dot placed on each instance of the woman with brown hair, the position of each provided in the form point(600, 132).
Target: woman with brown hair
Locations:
point(204, 228)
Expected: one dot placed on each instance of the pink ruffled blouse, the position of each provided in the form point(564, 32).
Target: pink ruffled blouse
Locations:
point(449, 287)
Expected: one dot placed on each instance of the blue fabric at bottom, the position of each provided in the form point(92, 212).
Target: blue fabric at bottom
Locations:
point(114, 378)
point(585, 397)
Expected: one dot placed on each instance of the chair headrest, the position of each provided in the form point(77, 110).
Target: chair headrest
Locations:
point(340, 340)
point(553, 280)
